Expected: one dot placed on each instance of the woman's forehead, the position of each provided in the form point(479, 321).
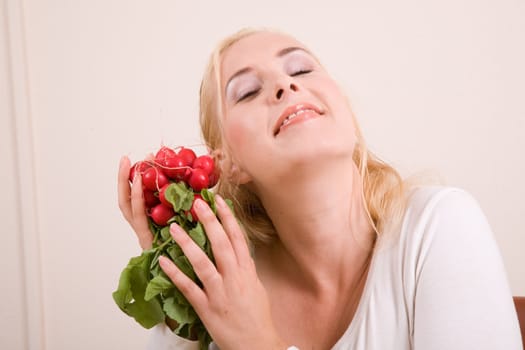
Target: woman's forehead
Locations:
point(252, 49)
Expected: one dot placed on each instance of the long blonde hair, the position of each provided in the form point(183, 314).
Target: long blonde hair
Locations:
point(383, 187)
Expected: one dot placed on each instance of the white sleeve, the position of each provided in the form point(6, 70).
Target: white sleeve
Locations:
point(162, 338)
point(463, 300)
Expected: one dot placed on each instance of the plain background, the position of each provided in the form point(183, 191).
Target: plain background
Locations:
point(438, 87)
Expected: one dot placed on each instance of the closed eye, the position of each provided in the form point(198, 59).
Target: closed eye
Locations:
point(248, 94)
point(301, 72)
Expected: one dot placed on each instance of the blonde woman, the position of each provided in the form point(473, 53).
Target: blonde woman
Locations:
point(340, 253)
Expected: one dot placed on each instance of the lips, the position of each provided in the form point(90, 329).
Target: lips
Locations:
point(301, 110)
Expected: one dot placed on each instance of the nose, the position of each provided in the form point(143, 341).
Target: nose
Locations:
point(282, 89)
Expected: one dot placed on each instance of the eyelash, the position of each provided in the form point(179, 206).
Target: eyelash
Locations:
point(254, 92)
point(248, 94)
point(300, 72)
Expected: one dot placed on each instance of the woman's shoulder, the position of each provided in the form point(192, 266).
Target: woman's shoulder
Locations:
point(441, 204)
point(449, 215)
point(431, 197)
point(447, 212)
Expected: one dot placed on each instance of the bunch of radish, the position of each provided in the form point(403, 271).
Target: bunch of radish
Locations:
point(172, 181)
point(167, 167)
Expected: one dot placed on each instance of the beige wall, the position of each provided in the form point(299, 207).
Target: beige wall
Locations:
point(436, 86)
point(12, 322)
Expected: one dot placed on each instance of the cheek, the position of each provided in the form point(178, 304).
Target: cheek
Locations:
point(340, 106)
point(240, 136)
point(235, 134)
point(342, 112)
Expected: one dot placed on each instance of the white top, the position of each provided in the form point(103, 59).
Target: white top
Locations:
point(438, 284)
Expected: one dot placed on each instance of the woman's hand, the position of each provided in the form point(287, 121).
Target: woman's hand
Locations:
point(131, 204)
point(233, 304)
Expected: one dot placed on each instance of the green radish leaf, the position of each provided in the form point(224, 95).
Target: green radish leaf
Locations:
point(129, 296)
point(123, 295)
point(147, 314)
point(165, 233)
point(180, 218)
point(174, 251)
point(208, 196)
point(179, 196)
point(180, 298)
point(198, 235)
point(181, 313)
point(157, 285)
point(128, 277)
point(155, 259)
point(184, 265)
point(171, 221)
point(204, 194)
point(156, 270)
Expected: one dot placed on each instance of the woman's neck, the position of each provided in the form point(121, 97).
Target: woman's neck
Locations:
point(325, 237)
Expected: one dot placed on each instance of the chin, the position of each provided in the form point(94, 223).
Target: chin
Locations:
point(316, 146)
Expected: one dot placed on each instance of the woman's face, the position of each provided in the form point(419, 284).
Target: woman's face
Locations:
point(281, 108)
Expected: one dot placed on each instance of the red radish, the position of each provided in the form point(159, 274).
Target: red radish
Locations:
point(198, 180)
point(205, 163)
point(168, 167)
point(162, 196)
point(175, 168)
point(187, 155)
point(160, 214)
point(214, 178)
point(187, 175)
point(153, 179)
point(150, 199)
point(140, 167)
point(192, 210)
point(163, 154)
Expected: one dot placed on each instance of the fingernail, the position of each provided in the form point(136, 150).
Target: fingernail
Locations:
point(124, 159)
point(163, 261)
point(199, 204)
point(175, 229)
point(219, 200)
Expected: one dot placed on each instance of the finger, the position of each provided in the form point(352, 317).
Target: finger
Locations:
point(220, 242)
point(234, 232)
point(202, 265)
point(187, 287)
point(124, 190)
point(140, 220)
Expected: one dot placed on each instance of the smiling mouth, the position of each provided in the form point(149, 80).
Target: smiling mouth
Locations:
point(295, 114)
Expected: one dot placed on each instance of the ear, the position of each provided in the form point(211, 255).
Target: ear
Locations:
point(229, 169)
point(238, 176)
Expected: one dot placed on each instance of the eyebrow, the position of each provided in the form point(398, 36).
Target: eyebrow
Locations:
point(280, 53)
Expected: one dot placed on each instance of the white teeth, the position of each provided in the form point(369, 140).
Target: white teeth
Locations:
point(293, 115)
